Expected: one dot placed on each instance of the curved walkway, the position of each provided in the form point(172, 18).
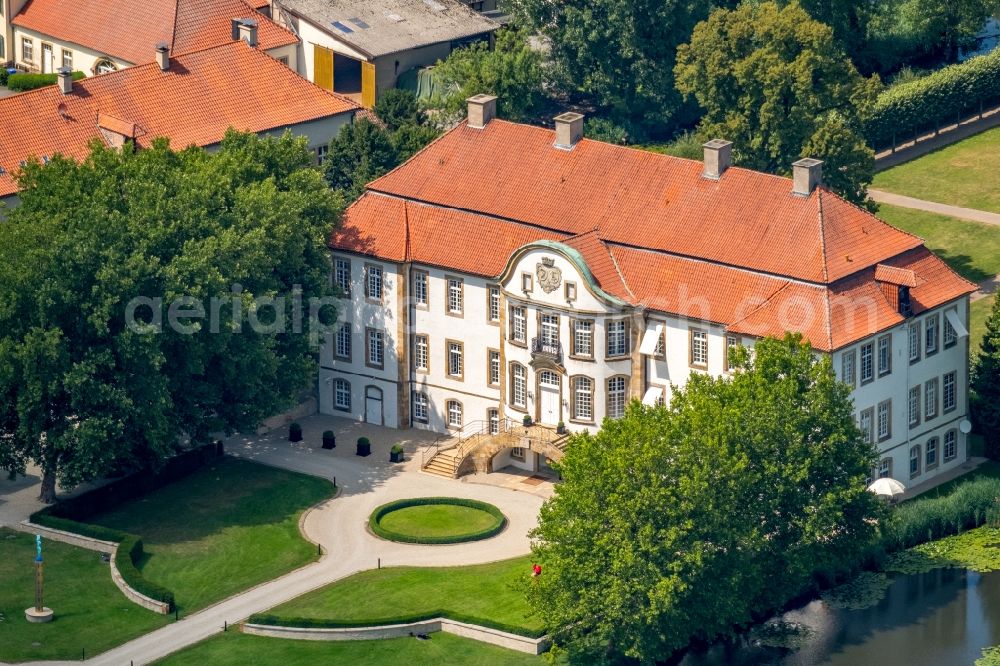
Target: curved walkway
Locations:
point(961, 213)
point(340, 526)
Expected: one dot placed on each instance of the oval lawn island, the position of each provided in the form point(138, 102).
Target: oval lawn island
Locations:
point(436, 520)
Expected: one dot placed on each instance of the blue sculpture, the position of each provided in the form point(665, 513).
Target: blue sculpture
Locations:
point(38, 547)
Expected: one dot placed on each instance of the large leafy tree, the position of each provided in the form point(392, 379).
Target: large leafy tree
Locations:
point(947, 26)
point(622, 52)
point(93, 380)
point(359, 154)
point(776, 83)
point(986, 385)
point(681, 522)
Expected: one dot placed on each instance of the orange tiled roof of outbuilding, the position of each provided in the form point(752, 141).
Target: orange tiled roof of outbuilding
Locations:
point(194, 102)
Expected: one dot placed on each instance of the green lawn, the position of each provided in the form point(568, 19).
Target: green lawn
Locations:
point(972, 249)
point(962, 174)
point(442, 650)
point(91, 614)
point(437, 520)
point(223, 529)
point(484, 591)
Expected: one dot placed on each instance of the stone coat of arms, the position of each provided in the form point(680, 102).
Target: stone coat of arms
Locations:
point(549, 276)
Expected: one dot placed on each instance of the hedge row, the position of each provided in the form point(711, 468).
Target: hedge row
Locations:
point(939, 98)
point(22, 82)
point(320, 623)
point(377, 515)
point(129, 554)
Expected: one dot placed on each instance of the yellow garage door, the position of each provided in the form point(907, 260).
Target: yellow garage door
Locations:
point(323, 67)
point(367, 84)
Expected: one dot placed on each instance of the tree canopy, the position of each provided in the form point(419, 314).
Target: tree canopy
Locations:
point(985, 384)
point(681, 522)
point(775, 82)
point(84, 391)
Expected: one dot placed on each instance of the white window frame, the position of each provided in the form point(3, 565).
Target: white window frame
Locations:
point(342, 343)
point(375, 348)
point(617, 388)
point(518, 324)
point(374, 283)
point(583, 399)
point(583, 338)
point(341, 395)
point(456, 296)
point(867, 373)
point(421, 289)
point(493, 305)
point(420, 407)
point(848, 367)
point(616, 332)
point(518, 385)
point(342, 275)
point(421, 353)
point(931, 335)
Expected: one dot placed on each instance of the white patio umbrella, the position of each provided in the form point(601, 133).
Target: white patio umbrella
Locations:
point(887, 487)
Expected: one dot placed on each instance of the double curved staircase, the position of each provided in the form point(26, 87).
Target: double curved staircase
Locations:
point(472, 449)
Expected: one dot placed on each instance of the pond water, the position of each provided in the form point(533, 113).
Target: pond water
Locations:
point(941, 618)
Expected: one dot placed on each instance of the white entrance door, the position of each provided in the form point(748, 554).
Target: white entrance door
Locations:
point(373, 405)
point(48, 59)
point(548, 394)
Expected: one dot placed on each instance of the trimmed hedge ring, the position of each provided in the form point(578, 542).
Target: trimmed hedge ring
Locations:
point(374, 521)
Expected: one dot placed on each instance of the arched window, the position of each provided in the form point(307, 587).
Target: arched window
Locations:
point(518, 385)
point(342, 395)
point(103, 66)
point(915, 461)
point(616, 397)
point(583, 399)
point(454, 409)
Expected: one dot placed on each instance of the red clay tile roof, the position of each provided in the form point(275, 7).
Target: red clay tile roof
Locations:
point(746, 218)
point(893, 275)
point(202, 95)
point(742, 252)
point(129, 30)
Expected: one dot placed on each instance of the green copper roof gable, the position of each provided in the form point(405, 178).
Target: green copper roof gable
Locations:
point(576, 259)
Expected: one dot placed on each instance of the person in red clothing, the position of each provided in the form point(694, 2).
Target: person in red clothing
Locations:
point(536, 570)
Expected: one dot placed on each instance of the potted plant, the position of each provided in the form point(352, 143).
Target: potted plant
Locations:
point(329, 440)
point(295, 433)
point(396, 454)
point(526, 420)
point(561, 428)
point(364, 447)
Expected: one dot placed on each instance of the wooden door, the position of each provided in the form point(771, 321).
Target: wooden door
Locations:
point(323, 67)
point(367, 84)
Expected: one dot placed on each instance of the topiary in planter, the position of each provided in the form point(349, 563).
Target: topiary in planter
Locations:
point(526, 420)
point(561, 428)
point(295, 433)
point(364, 447)
point(396, 454)
point(329, 440)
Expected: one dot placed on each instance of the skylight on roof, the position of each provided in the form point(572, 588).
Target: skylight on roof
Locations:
point(395, 18)
point(358, 22)
point(341, 27)
point(433, 4)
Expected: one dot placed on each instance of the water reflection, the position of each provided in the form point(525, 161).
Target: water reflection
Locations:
point(946, 616)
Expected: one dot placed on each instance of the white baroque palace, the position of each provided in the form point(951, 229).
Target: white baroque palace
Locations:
point(510, 271)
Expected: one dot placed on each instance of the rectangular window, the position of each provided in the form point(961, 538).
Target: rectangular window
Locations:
point(518, 324)
point(494, 368)
point(885, 468)
point(866, 423)
point(949, 393)
point(342, 276)
point(517, 453)
point(456, 368)
point(914, 406)
point(549, 329)
point(847, 361)
point(527, 282)
point(421, 353)
point(931, 453)
point(867, 363)
point(914, 341)
point(617, 334)
point(373, 282)
point(616, 397)
point(376, 350)
point(27, 50)
point(420, 289)
point(583, 398)
point(420, 407)
point(732, 342)
point(583, 338)
point(494, 304)
point(914, 461)
point(950, 445)
point(342, 395)
point(950, 334)
point(930, 335)
point(699, 348)
point(493, 416)
point(454, 408)
point(343, 343)
point(884, 420)
point(884, 355)
point(67, 58)
point(930, 399)
point(518, 385)
point(3, 46)
point(321, 153)
point(456, 296)
point(570, 291)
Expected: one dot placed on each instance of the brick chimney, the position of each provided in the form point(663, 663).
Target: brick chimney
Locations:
point(482, 109)
point(65, 77)
point(163, 56)
point(248, 31)
point(718, 158)
point(807, 174)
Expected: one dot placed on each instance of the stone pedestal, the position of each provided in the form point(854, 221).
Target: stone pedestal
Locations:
point(38, 616)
